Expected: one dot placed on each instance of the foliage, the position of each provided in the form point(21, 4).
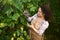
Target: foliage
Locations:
point(12, 20)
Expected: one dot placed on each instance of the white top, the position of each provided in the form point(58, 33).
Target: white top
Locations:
point(43, 26)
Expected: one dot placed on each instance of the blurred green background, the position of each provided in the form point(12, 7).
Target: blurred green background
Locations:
point(13, 22)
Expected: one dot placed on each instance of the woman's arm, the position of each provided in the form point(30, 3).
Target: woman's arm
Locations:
point(43, 27)
point(26, 14)
point(32, 27)
point(31, 18)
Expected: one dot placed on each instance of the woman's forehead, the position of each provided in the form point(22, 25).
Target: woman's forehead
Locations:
point(39, 9)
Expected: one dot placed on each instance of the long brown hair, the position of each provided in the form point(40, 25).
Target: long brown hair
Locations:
point(47, 11)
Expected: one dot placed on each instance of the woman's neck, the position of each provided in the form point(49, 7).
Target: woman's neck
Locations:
point(41, 18)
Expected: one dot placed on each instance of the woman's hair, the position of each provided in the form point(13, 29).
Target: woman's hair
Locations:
point(46, 10)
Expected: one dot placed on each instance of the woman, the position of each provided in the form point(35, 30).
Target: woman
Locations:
point(39, 22)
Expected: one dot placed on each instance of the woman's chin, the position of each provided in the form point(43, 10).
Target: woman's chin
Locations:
point(40, 16)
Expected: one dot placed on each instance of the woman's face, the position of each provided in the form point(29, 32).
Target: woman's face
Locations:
point(40, 13)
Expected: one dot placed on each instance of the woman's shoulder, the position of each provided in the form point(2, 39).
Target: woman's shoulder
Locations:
point(45, 23)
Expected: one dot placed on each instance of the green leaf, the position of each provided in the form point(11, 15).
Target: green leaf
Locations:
point(21, 38)
point(26, 1)
point(33, 9)
point(18, 4)
point(11, 25)
point(0, 31)
point(0, 0)
point(7, 9)
point(10, 2)
point(25, 34)
point(4, 2)
point(15, 16)
point(18, 33)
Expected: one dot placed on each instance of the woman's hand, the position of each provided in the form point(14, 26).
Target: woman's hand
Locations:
point(26, 13)
point(30, 26)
